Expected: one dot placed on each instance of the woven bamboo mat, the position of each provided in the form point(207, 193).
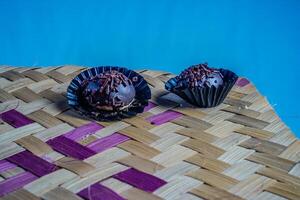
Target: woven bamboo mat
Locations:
point(238, 150)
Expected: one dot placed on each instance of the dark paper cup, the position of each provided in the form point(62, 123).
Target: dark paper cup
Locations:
point(75, 100)
point(204, 97)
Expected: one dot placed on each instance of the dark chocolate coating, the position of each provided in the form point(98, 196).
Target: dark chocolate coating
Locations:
point(199, 76)
point(110, 90)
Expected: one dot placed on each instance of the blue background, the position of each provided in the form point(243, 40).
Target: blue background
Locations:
point(257, 39)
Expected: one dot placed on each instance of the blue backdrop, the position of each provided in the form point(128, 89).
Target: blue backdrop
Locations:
point(258, 39)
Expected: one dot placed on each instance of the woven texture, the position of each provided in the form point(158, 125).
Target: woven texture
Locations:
point(238, 150)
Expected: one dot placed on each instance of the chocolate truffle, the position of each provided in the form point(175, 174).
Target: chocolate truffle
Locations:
point(200, 76)
point(110, 90)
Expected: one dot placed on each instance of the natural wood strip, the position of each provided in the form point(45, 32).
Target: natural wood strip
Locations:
point(254, 132)
point(192, 112)
point(46, 69)
point(197, 134)
point(276, 126)
point(208, 163)
point(42, 85)
point(35, 145)
point(58, 76)
point(285, 190)
point(77, 184)
point(12, 75)
point(116, 185)
point(271, 161)
point(217, 117)
point(53, 132)
point(203, 147)
point(10, 104)
point(268, 116)
point(139, 122)
point(261, 104)
point(223, 129)
point(60, 194)
point(5, 96)
point(190, 122)
point(295, 171)
point(139, 149)
point(168, 127)
point(33, 106)
point(49, 182)
point(134, 194)
point(73, 118)
point(77, 166)
point(139, 134)
point(20, 132)
point(242, 111)
point(279, 175)
point(263, 146)
point(237, 102)
point(110, 128)
point(167, 140)
point(52, 96)
point(12, 172)
point(177, 169)
point(235, 155)
point(4, 82)
point(213, 178)
point(242, 170)
point(106, 157)
point(44, 119)
point(9, 149)
point(269, 196)
point(176, 187)
point(292, 152)
point(284, 137)
point(69, 69)
point(56, 108)
point(36, 75)
point(141, 164)
point(173, 155)
point(251, 187)
point(248, 121)
point(20, 194)
point(18, 84)
point(212, 193)
point(235, 94)
point(230, 141)
point(26, 94)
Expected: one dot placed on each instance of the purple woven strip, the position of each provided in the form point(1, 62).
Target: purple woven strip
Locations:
point(32, 163)
point(99, 192)
point(15, 118)
point(163, 117)
point(150, 105)
point(16, 182)
point(83, 131)
point(5, 165)
point(141, 180)
point(70, 148)
point(241, 82)
point(107, 142)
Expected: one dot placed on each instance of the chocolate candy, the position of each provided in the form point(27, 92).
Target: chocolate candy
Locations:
point(200, 76)
point(110, 90)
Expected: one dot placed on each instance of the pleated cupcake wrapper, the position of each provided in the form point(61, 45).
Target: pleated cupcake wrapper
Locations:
point(205, 97)
point(143, 94)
